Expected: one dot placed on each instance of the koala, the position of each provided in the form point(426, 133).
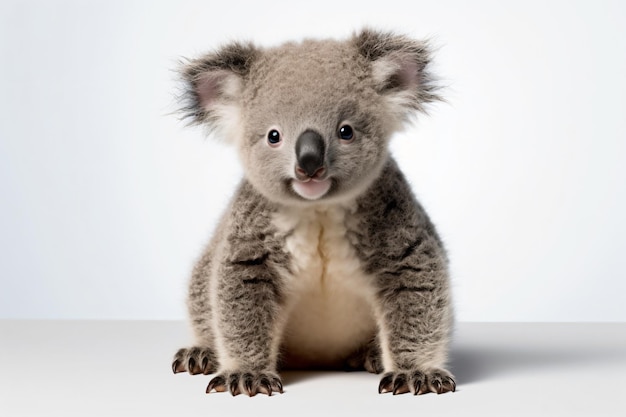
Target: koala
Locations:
point(324, 259)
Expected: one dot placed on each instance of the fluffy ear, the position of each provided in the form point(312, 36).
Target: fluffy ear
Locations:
point(213, 85)
point(399, 68)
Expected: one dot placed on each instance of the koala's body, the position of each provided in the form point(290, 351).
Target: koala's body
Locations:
point(324, 258)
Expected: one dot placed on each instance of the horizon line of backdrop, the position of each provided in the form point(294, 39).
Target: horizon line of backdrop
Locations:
point(108, 199)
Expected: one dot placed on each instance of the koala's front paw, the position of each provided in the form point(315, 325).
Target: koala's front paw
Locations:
point(250, 383)
point(195, 360)
point(417, 382)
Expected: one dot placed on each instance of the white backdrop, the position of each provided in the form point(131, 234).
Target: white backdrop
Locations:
point(107, 199)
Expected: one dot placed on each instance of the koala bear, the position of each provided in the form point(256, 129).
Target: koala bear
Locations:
point(324, 258)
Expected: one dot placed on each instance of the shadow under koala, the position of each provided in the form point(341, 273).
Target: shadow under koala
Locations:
point(526, 348)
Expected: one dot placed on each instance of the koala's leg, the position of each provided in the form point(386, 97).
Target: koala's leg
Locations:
point(400, 248)
point(201, 358)
point(249, 320)
point(414, 321)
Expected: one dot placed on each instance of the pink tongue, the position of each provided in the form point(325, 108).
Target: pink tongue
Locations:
point(311, 189)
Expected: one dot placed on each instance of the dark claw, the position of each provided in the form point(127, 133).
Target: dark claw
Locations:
point(449, 384)
point(191, 364)
point(418, 385)
point(277, 385)
point(218, 384)
point(247, 384)
point(233, 384)
point(438, 387)
point(424, 389)
point(205, 365)
point(453, 383)
point(175, 366)
point(265, 387)
point(385, 383)
point(399, 385)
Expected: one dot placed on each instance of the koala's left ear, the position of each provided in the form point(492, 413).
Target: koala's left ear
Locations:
point(213, 85)
point(399, 68)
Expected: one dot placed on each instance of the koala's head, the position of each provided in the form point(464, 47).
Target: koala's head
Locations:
point(311, 120)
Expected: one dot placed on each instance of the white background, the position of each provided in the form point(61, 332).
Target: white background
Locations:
point(107, 199)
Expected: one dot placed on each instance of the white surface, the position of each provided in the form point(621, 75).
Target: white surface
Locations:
point(106, 200)
point(103, 368)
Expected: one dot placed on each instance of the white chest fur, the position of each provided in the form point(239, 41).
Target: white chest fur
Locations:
point(330, 313)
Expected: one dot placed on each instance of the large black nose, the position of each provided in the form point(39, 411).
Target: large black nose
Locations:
point(310, 152)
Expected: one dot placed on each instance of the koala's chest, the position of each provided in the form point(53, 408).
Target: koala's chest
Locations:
point(331, 307)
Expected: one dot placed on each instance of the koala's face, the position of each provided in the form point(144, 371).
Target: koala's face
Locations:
point(311, 120)
point(313, 125)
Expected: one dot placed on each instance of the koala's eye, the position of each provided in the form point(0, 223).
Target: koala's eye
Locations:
point(345, 132)
point(273, 137)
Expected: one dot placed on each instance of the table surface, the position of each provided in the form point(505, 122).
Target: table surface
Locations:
point(122, 368)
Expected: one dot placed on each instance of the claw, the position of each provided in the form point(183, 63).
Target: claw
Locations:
point(453, 383)
point(424, 389)
point(449, 385)
point(265, 387)
point(175, 366)
point(399, 385)
point(233, 384)
point(247, 384)
point(418, 385)
point(191, 364)
point(438, 387)
point(234, 390)
point(218, 384)
point(385, 383)
point(277, 385)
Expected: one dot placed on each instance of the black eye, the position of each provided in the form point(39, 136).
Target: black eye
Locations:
point(273, 137)
point(345, 132)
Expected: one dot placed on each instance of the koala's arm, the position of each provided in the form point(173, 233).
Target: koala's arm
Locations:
point(402, 251)
point(247, 296)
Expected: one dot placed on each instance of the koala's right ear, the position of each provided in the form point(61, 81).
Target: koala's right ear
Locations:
point(214, 83)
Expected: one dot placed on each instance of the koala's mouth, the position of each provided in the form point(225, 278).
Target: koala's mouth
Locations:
point(311, 188)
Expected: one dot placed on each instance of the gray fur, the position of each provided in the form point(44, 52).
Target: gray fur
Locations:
point(244, 289)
